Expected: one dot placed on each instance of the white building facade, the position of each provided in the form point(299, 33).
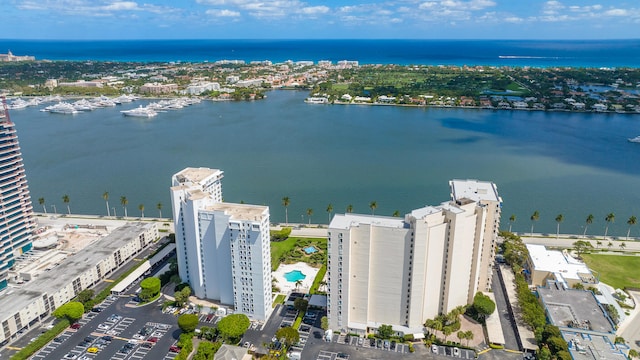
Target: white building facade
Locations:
point(400, 272)
point(223, 249)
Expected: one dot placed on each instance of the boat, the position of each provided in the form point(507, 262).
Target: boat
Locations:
point(83, 105)
point(62, 108)
point(140, 112)
point(316, 100)
point(18, 104)
point(635, 139)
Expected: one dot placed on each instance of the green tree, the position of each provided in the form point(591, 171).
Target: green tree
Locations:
point(41, 202)
point(188, 322)
point(598, 244)
point(72, 311)
point(206, 350)
point(461, 336)
point(581, 246)
point(534, 217)
point(559, 219)
point(66, 200)
point(124, 202)
point(611, 217)
point(324, 323)
point(150, 288)
point(623, 245)
point(483, 305)
point(141, 208)
point(233, 326)
point(609, 245)
point(588, 222)
point(557, 344)
point(309, 213)
point(329, 211)
point(159, 207)
point(396, 213)
point(446, 331)
point(349, 208)
point(301, 304)
point(385, 331)
point(85, 295)
point(632, 221)
point(512, 219)
point(105, 197)
point(182, 296)
point(373, 206)
point(285, 203)
point(289, 335)
point(469, 336)
point(578, 286)
point(633, 353)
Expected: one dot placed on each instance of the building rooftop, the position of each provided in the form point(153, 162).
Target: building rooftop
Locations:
point(14, 299)
point(196, 175)
point(558, 262)
point(574, 308)
point(240, 211)
point(345, 221)
point(474, 190)
point(591, 347)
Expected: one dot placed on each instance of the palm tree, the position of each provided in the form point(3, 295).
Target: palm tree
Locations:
point(285, 203)
point(105, 196)
point(559, 219)
point(609, 219)
point(298, 283)
point(609, 245)
point(124, 202)
point(373, 206)
point(588, 222)
point(598, 243)
point(468, 336)
point(632, 221)
point(159, 207)
point(512, 219)
point(396, 213)
point(534, 217)
point(349, 208)
point(141, 208)
point(329, 211)
point(623, 245)
point(41, 202)
point(66, 200)
point(309, 213)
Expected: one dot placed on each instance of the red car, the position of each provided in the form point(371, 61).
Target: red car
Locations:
point(76, 326)
point(153, 339)
point(174, 349)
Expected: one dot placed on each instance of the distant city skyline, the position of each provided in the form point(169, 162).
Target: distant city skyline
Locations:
point(316, 19)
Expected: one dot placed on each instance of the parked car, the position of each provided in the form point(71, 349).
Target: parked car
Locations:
point(372, 342)
point(93, 350)
point(386, 344)
point(393, 345)
point(76, 326)
point(456, 351)
point(434, 348)
point(174, 349)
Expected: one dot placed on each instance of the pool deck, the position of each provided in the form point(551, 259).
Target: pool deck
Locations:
point(287, 287)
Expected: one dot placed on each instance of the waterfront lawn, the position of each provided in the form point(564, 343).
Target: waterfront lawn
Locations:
point(290, 251)
point(618, 271)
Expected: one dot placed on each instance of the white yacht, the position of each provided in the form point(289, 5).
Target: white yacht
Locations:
point(140, 112)
point(635, 139)
point(62, 108)
point(83, 105)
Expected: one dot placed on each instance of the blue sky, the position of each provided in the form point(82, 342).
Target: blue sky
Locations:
point(300, 19)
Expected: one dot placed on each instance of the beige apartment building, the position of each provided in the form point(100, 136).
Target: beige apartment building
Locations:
point(400, 272)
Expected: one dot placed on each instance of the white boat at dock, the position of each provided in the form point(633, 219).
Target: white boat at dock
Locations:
point(140, 112)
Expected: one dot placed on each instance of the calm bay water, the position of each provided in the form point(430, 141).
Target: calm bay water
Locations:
point(403, 158)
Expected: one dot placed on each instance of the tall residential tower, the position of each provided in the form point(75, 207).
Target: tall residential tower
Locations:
point(400, 272)
point(16, 210)
point(223, 249)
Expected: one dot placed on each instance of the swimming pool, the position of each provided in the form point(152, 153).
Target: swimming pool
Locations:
point(310, 250)
point(295, 275)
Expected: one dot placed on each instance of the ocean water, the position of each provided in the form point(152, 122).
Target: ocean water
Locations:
point(403, 158)
point(596, 53)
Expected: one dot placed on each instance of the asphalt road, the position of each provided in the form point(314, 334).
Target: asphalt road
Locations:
point(506, 319)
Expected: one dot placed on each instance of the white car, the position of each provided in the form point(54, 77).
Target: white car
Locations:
point(434, 348)
point(456, 351)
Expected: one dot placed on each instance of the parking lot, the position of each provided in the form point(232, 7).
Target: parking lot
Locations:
point(453, 352)
point(116, 330)
point(385, 345)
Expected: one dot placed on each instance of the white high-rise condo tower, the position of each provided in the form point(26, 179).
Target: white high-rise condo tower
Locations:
point(223, 249)
point(16, 211)
point(401, 272)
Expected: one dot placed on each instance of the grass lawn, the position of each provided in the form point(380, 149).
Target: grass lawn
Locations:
point(279, 300)
point(616, 270)
point(285, 251)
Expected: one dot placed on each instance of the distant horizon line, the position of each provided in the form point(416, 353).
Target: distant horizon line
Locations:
point(317, 39)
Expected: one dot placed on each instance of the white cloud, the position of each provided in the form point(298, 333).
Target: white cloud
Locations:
point(222, 13)
point(617, 12)
point(312, 10)
point(91, 8)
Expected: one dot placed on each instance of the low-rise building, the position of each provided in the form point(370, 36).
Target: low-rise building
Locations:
point(24, 306)
point(555, 265)
point(156, 88)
